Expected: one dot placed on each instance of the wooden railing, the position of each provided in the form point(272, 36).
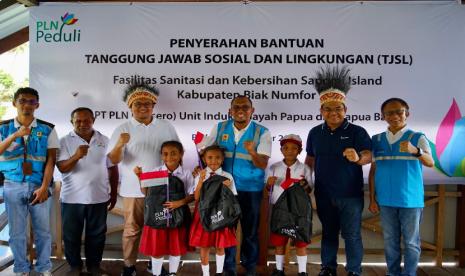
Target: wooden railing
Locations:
point(432, 198)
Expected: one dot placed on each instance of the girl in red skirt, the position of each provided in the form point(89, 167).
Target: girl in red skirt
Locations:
point(213, 157)
point(158, 242)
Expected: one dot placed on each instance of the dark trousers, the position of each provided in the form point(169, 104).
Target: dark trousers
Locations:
point(341, 215)
point(74, 216)
point(250, 206)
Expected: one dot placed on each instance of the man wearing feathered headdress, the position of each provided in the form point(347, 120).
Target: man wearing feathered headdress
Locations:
point(336, 151)
point(134, 143)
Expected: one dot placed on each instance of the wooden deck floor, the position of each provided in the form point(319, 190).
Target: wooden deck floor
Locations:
point(114, 268)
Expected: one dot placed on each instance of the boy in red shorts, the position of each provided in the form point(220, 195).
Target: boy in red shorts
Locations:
point(280, 176)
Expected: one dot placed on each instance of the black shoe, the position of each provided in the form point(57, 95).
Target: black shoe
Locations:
point(251, 272)
point(165, 272)
point(278, 272)
point(219, 274)
point(149, 267)
point(352, 274)
point(96, 271)
point(229, 273)
point(327, 271)
point(302, 274)
point(74, 271)
point(129, 271)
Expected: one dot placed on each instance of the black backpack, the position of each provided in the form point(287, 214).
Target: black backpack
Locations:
point(218, 206)
point(157, 216)
point(292, 214)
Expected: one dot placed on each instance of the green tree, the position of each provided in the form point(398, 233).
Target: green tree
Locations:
point(6, 82)
point(8, 86)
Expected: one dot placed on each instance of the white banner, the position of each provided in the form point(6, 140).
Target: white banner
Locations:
point(200, 55)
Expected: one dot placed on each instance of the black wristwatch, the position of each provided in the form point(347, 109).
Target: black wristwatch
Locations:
point(419, 152)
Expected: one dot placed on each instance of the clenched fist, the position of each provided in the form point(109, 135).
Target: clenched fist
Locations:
point(22, 131)
point(351, 155)
point(406, 146)
point(203, 174)
point(249, 146)
point(227, 183)
point(137, 170)
point(124, 138)
point(81, 151)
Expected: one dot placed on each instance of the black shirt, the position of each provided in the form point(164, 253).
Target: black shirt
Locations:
point(335, 176)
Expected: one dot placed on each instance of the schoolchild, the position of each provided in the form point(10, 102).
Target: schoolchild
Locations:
point(172, 241)
point(280, 176)
point(213, 157)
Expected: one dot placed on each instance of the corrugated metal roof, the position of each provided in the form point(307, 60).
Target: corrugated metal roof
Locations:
point(12, 19)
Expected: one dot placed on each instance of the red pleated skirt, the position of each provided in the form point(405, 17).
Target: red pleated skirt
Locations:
point(199, 237)
point(168, 241)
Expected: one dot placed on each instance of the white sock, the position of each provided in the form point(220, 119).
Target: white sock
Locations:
point(157, 263)
point(174, 263)
point(206, 270)
point(279, 262)
point(302, 262)
point(219, 263)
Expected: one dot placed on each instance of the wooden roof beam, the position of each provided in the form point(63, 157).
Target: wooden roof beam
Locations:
point(28, 3)
point(14, 40)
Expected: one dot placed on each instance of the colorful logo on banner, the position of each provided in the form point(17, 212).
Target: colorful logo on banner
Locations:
point(449, 149)
point(54, 31)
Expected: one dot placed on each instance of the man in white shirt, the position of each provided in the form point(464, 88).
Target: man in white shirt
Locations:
point(85, 192)
point(137, 142)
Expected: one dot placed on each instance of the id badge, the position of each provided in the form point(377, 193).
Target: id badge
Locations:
point(27, 168)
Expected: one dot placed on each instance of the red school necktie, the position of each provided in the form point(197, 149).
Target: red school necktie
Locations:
point(288, 173)
point(288, 181)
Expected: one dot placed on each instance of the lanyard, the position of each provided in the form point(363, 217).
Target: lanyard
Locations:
point(25, 143)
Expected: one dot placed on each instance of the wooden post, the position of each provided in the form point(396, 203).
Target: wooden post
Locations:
point(30, 243)
point(440, 224)
point(14, 40)
point(264, 232)
point(287, 253)
point(460, 226)
point(59, 233)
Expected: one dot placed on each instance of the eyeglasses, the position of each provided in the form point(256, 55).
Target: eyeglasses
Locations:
point(29, 102)
point(241, 107)
point(146, 105)
point(398, 112)
point(338, 109)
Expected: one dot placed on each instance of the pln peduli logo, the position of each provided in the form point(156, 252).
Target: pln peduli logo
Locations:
point(449, 147)
point(56, 31)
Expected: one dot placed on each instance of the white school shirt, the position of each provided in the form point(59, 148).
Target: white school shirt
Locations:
point(183, 174)
point(87, 182)
point(299, 170)
point(218, 172)
point(143, 150)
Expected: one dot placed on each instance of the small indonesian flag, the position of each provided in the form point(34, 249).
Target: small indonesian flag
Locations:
point(288, 182)
point(151, 179)
point(198, 137)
